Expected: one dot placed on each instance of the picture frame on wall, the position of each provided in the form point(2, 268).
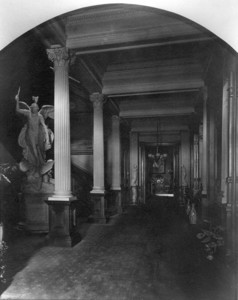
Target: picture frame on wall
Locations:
point(160, 169)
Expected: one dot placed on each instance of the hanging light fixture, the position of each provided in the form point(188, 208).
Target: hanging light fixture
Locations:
point(157, 158)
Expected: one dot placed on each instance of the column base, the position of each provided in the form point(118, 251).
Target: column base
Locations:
point(63, 228)
point(113, 202)
point(204, 207)
point(98, 207)
point(118, 202)
point(229, 231)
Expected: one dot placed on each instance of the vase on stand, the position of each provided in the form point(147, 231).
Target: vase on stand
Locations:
point(193, 215)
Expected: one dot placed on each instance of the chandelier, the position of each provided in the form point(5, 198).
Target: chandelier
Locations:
point(157, 158)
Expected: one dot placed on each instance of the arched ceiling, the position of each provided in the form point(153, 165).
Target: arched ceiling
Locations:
point(17, 17)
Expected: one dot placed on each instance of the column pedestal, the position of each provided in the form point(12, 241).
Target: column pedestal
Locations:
point(98, 199)
point(113, 204)
point(229, 242)
point(63, 223)
point(118, 201)
point(204, 207)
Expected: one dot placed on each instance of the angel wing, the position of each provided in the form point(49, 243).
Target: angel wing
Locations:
point(24, 105)
point(47, 111)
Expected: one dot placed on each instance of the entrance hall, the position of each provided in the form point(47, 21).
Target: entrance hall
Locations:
point(118, 158)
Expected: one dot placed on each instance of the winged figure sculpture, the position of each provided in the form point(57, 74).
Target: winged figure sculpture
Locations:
point(35, 138)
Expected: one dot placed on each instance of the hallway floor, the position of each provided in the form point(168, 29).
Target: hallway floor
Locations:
point(148, 252)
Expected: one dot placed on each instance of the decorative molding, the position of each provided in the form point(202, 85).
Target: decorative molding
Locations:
point(58, 55)
point(98, 100)
point(115, 118)
point(230, 180)
point(107, 14)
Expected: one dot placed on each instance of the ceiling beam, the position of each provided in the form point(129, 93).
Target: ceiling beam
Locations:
point(165, 139)
point(156, 112)
point(140, 45)
point(154, 93)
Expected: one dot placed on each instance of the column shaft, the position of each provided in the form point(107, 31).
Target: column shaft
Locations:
point(204, 148)
point(185, 158)
point(196, 162)
point(134, 161)
point(116, 154)
point(200, 147)
point(224, 161)
point(98, 143)
point(62, 123)
point(230, 141)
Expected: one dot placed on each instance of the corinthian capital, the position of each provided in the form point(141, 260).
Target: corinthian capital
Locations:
point(115, 118)
point(58, 55)
point(98, 100)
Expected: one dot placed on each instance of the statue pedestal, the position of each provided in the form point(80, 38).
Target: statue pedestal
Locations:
point(36, 209)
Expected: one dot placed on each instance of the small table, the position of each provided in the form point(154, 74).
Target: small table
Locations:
point(164, 195)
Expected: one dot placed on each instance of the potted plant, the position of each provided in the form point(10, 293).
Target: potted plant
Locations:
point(7, 174)
point(212, 239)
point(3, 248)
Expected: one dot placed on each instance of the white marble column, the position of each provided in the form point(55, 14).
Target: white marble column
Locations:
point(224, 162)
point(231, 154)
point(200, 150)
point(59, 56)
point(116, 154)
point(98, 144)
point(204, 148)
point(116, 162)
point(196, 162)
point(185, 158)
point(62, 205)
point(134, 161)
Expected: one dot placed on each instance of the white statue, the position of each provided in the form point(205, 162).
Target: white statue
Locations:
point(35, 138)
